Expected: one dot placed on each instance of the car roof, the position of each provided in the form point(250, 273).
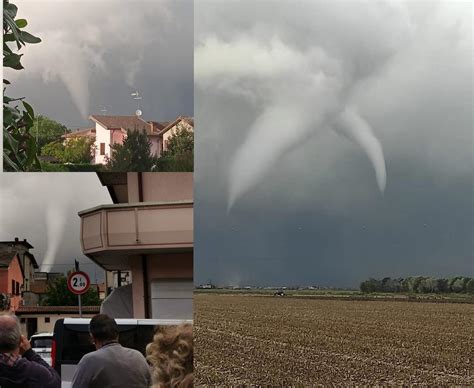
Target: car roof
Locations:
point(38, 335)
point(130, 321)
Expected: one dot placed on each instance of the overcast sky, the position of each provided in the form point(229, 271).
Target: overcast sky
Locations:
point(94, 54)
point(43, 207)
point(335, 142)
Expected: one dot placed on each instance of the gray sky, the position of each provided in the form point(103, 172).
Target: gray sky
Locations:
point(43, 207)
point(94, 54)
point(336, 141)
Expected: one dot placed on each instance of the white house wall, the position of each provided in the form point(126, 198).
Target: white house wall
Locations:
point(102, 136)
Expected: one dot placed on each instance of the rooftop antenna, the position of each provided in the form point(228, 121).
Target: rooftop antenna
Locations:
point(104, 110)
point(136, 96)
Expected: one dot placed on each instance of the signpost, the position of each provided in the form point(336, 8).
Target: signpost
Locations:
point(78, 283)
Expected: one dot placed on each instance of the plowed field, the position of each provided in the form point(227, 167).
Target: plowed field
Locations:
point(262, 340)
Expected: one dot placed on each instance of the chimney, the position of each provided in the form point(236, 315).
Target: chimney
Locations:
point(16, 239)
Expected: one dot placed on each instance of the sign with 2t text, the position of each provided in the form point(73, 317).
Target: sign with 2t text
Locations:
point(78, 282)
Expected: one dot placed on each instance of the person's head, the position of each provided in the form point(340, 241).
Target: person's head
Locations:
point(103, 329)
point(171, 356)
point(10, 334)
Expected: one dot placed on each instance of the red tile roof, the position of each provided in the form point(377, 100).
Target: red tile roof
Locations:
point(56, 309)
point(122, 122)
point(80, 133)
point(134, 122)
point(171, 124)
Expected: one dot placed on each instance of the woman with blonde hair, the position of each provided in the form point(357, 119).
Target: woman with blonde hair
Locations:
point(171, 357)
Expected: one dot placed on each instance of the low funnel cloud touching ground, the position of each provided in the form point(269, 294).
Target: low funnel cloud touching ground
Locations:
point(55, 219)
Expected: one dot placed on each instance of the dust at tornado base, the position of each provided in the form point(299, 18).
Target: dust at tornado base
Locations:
point(242, 339)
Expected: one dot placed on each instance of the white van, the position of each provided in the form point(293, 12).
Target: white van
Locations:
point(72, 341)
point(41, 343)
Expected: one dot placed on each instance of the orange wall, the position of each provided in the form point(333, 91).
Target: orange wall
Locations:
point(6, 276)
point(4, 281)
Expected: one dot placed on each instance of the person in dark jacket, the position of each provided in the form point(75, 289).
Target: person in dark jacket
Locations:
point(20, 366)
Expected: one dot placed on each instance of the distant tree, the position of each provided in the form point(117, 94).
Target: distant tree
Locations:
point(417, 281)
point(442, 285)
point(74, 150)
point(46, 130)
point(371, 285)
point(470, 286)
point(179, 155)
point(133, 155)
point(58, 294)
point(19, 146)
point(458, 284)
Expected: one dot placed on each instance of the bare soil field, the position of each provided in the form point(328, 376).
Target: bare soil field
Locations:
point(264, 340)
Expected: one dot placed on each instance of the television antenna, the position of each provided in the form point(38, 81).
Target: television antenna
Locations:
point(137, 97)
point(104, 110)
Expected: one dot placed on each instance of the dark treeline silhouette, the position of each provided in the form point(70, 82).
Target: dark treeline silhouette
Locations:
point(419, 284)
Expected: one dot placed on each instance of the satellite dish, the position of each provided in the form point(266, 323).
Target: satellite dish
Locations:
point(138, 112)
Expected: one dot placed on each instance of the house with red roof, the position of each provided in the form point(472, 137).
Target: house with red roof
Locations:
point(110, 130)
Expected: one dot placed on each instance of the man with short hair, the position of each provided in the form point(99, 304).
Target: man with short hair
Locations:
point(20, 366)
point(111, 365)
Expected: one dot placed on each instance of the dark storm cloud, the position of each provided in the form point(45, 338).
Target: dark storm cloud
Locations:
point(307, 209)
point(43, 209)
point(94, 54)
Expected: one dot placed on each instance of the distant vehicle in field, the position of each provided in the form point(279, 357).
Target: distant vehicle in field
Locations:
point(42, 344)
point(72, 340)
point(279, 293)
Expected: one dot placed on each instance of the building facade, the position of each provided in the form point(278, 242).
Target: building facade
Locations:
point(41, 319)
point(11, 280)
point(149, 232)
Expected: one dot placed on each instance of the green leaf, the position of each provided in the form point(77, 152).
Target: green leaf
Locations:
point(29, 109)
point(10, 163)
point(21, 23)
point(11, 143)
point(11, 9)
point(10, 25)
point(13, 61)
point(9, 37)
point(28, 38)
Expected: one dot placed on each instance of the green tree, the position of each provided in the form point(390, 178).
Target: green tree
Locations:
point(179, 155)
point(46, 131)
point(19, 146)
point(371, 285)
point(74, 150)
point(57, 294)
point(470, 286)
point(133, 155)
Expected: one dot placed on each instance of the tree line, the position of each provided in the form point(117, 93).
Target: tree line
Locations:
point(419, 284)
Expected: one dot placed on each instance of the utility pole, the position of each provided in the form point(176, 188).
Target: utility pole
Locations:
point(76, 265)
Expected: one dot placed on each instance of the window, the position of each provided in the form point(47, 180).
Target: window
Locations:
point(46, 320)
point(102, 148)
point(17, 288)
point(13, 287)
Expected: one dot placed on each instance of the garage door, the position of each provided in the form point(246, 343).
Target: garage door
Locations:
point(172, 299)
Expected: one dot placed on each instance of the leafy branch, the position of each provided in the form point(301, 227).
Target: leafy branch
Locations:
point(19, 146)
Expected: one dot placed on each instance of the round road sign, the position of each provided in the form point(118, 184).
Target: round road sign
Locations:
point(78, 282)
